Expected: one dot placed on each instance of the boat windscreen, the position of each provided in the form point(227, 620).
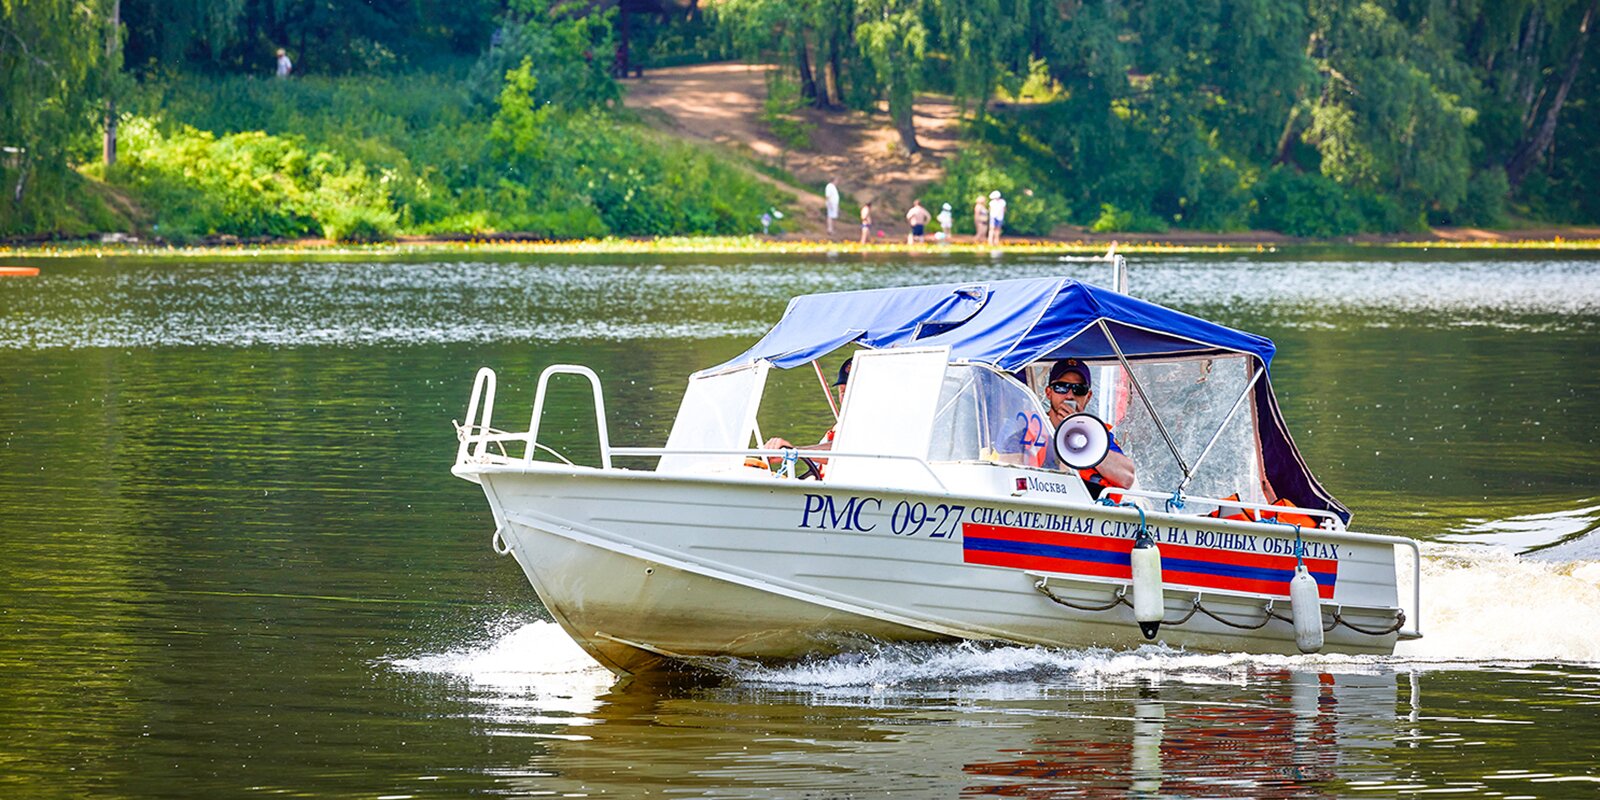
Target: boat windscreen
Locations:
point(718, 412)
point(1194, 398)
point(983, 415)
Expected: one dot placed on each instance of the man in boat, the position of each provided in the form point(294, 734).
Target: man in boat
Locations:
point(1068, 393)
point(779, 443)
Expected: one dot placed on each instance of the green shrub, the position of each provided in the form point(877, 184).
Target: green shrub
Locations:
point(1116, 220)
point(367, 158)
point(1303, 204)
point(569, 57)
point(1485, 203)
point(249, 184)
point(780, 112)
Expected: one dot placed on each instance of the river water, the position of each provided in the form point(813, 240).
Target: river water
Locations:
point(233, 560)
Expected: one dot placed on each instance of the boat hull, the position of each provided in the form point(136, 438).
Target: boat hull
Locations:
point(646, 571)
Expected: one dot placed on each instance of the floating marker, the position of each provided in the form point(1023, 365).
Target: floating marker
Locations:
point(1306, 608)
point(19, 272)
point(1149, 602)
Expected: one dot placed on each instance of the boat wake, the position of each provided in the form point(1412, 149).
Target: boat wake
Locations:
point(1482, 606)
point(517, 656)
point(1489, 604)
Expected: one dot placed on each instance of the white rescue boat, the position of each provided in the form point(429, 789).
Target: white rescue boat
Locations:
point(947, 507)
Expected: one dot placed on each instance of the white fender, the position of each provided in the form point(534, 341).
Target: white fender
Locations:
point(1149, 601)
point(1306, 608)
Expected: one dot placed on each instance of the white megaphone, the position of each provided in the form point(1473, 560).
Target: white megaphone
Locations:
point(1082, 441)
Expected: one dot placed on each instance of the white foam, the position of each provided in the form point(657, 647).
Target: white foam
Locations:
point(521, 658)
point(1019, 671)
point(1491, 605)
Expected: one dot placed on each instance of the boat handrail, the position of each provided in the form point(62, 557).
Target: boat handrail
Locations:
point(483, 386)
point(599, 410)
point(1337, 521)
point(780, 453)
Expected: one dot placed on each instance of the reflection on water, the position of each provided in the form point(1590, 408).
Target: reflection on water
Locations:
point(232, 558)
point(1563, 530)
point(143, 303)
point(1028, 722)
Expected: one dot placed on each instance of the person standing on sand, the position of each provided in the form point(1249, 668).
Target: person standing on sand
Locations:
point(918, 217)
point(947, 221)
point(980, 220)
point(284, 65)
point(830, 196)
point(866, 221)
point(997, 217)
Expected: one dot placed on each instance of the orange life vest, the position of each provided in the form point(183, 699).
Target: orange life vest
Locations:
point(1233, 512)
point(1249, 515)
point(1289, 517)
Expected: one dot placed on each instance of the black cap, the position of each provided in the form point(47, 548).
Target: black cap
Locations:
point(844, 372)
point(1066, 365)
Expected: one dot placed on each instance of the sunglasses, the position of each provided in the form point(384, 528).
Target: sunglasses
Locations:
point(1063, 387)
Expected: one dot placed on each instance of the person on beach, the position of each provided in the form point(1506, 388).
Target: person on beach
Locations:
point(980, 220)
point(830, 196)
point(997, 217)
point(947, 221)
point(866, 221)
point(918, 217)
point(285, 66)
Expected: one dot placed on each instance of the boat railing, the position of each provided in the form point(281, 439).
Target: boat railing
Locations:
point(478, 434)
point(819, 455)
point(1336, 522)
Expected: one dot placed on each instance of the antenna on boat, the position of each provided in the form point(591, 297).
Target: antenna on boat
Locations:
point(826, 392)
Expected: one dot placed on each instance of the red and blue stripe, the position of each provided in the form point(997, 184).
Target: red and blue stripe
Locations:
point(1106, 557)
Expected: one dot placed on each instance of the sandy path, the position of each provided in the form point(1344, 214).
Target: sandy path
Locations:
point(722, 104)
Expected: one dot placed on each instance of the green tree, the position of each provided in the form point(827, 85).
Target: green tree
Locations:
point(1390, 116)
point(50, 54)
point(892, 36)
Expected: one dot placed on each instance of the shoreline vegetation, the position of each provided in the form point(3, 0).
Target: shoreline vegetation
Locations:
point(1259, 125)
point(1577, 239)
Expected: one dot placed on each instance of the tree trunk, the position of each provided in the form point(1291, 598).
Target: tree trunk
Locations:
point(808, 83)
point(906, 125)
point(830, 75)
point(835, 56)
point(1286, 138)
point(1531, 150)
point(108, 149)
point(620, 65)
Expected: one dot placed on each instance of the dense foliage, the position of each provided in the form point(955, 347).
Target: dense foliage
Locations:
point(1310, 116)
point(1313, 117)
point(423, 152)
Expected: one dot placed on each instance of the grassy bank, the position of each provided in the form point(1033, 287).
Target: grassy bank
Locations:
point(373, 158)
point(739, 245)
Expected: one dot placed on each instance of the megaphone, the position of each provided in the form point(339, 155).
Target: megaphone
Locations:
point(1082, 441)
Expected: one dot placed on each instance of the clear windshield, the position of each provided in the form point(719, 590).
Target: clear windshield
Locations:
point(983, 415)
point(1193, 398)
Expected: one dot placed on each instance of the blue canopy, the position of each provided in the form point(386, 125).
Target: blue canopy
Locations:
point(1013, 323)
point(1005, 323)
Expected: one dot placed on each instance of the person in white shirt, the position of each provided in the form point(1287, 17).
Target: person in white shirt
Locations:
point(831, 197)
point(997, 217)
point(284, 65)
